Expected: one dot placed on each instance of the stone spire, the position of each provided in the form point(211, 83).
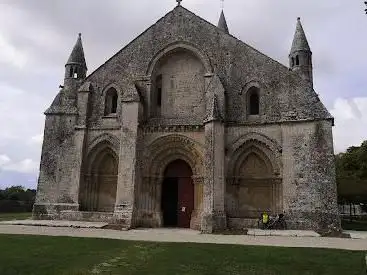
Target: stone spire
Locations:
point(76, 67)
point(222, 24)
point(77, 55)
point(300, 57)
point(300, 42)
point(213, 113)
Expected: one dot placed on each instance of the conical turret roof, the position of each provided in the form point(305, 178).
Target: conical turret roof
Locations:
point(77, 55)
point(300, 42)
point(222, 24)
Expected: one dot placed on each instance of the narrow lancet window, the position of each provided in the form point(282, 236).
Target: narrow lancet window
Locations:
point(111, 102)
point(254, 101)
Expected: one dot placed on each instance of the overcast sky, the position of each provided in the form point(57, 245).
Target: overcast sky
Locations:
point(36, 38)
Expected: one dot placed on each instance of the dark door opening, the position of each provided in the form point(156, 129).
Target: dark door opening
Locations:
point(170, 201)
point(177, 195)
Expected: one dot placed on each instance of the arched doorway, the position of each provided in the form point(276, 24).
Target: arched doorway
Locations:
point(99, 190)
point(254, 184)
point(177, 195)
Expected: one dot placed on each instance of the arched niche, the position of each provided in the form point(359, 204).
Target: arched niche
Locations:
point(177, 88)
point(253, 179)
point(98, 189)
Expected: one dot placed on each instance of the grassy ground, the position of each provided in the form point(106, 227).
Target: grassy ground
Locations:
point(358, 225)
point(14, 216)
point(42, 255)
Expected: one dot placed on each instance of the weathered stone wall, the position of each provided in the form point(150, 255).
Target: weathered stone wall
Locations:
point(56, 168)
point(284, 94)
point(310, 198)
point(182, 87)
point(187, 48)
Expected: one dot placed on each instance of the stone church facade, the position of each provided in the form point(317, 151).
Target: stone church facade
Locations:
point(187, 126)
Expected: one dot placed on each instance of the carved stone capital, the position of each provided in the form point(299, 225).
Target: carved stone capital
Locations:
point(197, 180)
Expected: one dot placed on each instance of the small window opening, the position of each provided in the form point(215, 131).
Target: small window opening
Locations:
point(75, 73)
point(159, 90)
point(114, 104)
point(71, 73)
point(111, 102)
point(297, 60)
point(254, 102)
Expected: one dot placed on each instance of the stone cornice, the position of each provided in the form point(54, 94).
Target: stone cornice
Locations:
point(172, 128)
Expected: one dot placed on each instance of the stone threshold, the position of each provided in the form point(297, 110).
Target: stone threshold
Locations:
point(57, 223)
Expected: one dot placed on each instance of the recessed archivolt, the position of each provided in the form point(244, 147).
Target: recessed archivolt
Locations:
point(102, 142)
point(177, 46)
point(266, 148)
point(169, 148)
point(98, 151)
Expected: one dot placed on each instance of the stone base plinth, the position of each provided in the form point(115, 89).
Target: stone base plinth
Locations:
point(241, 223)
point(213, 222)
point(51, 211)
point(195, 222)
point(149, 219)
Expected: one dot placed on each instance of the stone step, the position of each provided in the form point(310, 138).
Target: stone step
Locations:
point(284, 233)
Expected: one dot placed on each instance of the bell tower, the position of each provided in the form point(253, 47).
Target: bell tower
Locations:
point(300, 57)
point(75, 67)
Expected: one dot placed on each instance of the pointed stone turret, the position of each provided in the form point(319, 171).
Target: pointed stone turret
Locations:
point(222, 24)
point(76, 67)
point(213, 113)
point(300, 57)
point(300, 42)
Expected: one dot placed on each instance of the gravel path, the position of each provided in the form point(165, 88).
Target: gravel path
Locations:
point(180, 235)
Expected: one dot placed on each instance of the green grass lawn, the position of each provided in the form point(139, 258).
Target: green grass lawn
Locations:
point(358, 225)
point(42, 255)
point(15, 216)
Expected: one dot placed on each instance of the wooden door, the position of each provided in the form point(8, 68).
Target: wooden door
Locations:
point(185, 202)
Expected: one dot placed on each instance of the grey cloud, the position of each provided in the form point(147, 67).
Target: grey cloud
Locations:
point(47, 30)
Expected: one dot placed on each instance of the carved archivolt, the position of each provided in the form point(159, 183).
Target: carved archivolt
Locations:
point(166, 149)
point(180, 45)
point(266, 148)
point(102, 142)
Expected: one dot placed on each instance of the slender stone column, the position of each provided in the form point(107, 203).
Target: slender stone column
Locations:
point(127, 176)
point(214, 217)
point(79, 142)
point(196, 215)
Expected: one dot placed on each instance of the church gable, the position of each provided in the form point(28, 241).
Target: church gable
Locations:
point(283, 94)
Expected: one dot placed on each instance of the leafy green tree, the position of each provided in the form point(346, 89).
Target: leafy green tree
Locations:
point(351, 174)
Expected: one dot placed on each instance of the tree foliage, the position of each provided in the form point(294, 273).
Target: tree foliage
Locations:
point(17, 199)
point(351, 174)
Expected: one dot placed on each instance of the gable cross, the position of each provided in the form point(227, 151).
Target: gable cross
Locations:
point(178, 2)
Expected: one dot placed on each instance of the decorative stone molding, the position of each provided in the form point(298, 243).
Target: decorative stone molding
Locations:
point(268, 149)
point(105, 128)
point(162, 151)
point(104, 137)
point(197, 180)
point(102, 141)
point(172, 128)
